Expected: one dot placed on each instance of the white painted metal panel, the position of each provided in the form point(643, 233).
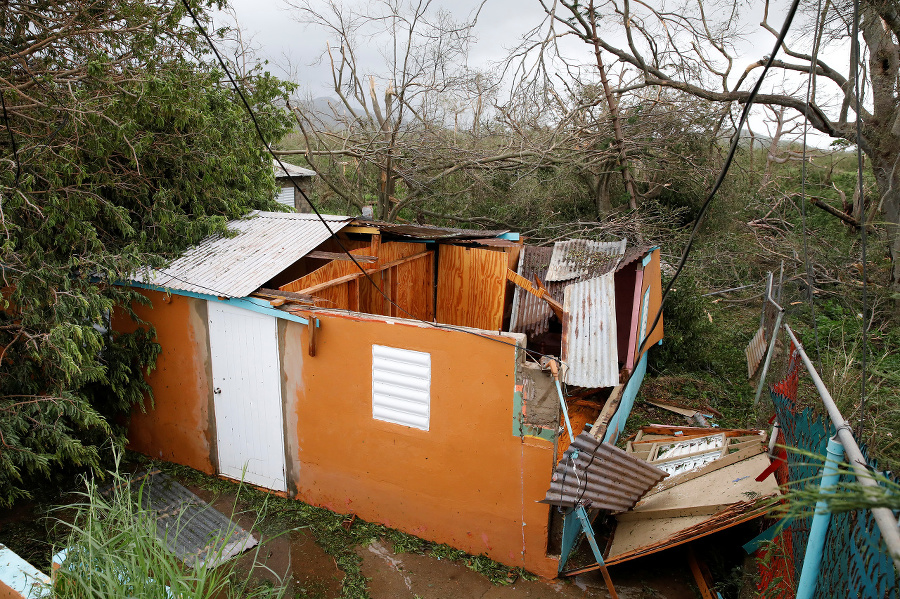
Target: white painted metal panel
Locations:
point(247, 395)
point(265, 244)
point(590, 346)
point(401, 386)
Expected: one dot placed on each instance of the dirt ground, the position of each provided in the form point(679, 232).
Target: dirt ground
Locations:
point(314, 574)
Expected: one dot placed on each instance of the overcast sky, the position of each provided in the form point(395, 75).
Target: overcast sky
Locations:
point(295, 47)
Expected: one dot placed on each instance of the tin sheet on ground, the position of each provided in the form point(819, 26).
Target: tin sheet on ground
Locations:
point(197, 533)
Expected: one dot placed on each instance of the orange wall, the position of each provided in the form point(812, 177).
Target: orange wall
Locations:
point(468, 481)
point(652, 279)
point(179, 428)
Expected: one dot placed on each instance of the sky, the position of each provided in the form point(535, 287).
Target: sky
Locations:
point(293, 49)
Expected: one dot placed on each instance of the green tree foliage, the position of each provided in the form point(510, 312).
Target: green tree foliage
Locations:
point(120, 145)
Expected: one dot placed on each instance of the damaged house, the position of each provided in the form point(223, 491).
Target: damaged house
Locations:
point(411, 394)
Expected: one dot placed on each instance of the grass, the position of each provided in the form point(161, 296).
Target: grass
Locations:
point(113, 551)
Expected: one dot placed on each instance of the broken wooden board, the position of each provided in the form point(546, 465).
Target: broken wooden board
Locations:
point(709, 493)
point(637, 538)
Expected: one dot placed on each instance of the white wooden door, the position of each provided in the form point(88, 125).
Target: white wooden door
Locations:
point(247, 395)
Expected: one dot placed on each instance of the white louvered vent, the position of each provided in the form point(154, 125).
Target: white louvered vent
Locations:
point(401, 386)
point(286, 196)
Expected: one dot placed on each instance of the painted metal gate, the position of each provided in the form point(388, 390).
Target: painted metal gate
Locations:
point(247, 395)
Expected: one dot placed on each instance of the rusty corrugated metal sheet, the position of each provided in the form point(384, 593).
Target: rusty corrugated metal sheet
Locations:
point(530, 314)
point(582, 258)
point(633, 254)
point(602, 474)
point(590, 348)
point(266, 243)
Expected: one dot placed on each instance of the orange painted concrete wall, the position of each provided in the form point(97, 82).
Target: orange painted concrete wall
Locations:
point(178, 427)
point(467, 481)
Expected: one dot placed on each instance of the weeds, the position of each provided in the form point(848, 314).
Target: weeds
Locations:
point(112, 550)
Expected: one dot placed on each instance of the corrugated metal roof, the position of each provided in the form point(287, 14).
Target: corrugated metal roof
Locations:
point(632, 254)
point(266, 244)
point(590, 347)
point(602, 474)
point(197, 533)
point(291, 170)
point(582, 258)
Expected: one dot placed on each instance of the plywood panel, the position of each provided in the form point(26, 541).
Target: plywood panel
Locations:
point(415, 287)
point(471, 287)
point(331, 271)
point(336, 297)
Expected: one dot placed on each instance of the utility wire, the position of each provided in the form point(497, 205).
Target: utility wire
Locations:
point(810, 279)
point(855, 58)
point(316, 211)
point(734, 144)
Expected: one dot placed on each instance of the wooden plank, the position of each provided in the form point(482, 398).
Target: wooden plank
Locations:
point(336, 269)
point(598, 431)
point(317, 289)
point(699, 577)
point(539, 292)
point(362, 230)
point(340, 256)
point(471, 287)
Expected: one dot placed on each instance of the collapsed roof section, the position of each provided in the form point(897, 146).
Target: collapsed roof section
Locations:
point(564, 298)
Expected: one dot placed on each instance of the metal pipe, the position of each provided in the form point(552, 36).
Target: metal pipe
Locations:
point(818, 530)
point(565, 411)
point(769, 353)
point(884, 517)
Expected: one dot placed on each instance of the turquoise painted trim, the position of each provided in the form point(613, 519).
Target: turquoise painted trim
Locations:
point(649, 256)
point(753, 545)
point(22, 577)
point(254, 304)
point(629, 394)
point(571, 528)
point(818, 529)
point(511, 236)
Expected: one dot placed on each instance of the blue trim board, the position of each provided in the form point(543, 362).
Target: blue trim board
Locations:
point(253, 304)
point(510, 235)
point(629, 394)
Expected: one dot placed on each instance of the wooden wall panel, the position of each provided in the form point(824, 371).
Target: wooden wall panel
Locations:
point(332, 270)
point(337, 297)
point(414, 282)
point(471, 287)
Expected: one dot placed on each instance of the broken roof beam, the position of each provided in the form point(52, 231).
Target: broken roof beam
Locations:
point(539, 292)
point(352, 277)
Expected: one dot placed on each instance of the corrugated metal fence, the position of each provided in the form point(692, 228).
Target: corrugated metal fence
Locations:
point(855, 563)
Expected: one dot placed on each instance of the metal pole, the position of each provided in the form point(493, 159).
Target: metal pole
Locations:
point(884, 517)
point(818, 530)
point(769, 353)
